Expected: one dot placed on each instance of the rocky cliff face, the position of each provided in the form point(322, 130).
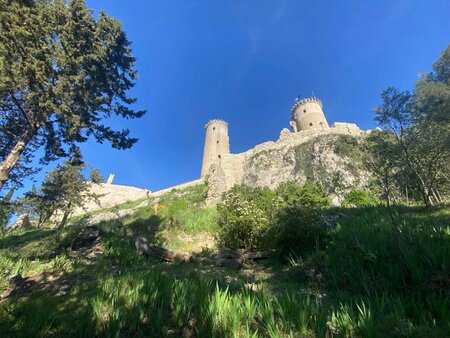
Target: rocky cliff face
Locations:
point(331, 158)
point(332, 161)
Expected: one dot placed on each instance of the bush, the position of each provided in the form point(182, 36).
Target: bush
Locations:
point(359, 197)
point(263, 198)
point(297, 229)
point(310, 194)
point(241, 223)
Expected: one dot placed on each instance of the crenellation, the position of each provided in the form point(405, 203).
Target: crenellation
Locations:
point(308, 114)
point(232, 169)
point(216, 121)
point(306, 100)
point(274, 160)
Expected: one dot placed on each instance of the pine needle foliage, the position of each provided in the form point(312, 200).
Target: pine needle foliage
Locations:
point(63, 73)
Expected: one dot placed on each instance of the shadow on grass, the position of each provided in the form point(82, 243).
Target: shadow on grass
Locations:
point(14, 241)
point(123, 294)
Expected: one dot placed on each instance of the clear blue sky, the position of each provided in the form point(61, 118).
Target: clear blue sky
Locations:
point(245, 62)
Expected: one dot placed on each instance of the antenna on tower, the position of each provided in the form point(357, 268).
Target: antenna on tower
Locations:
point(314, 96)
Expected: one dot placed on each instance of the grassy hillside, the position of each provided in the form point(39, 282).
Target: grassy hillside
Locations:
point(383, 272)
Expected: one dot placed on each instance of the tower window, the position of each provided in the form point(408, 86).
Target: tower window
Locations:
point(214, 128)
point(218, 141)
point(310, 124)
point(304, 110)
point(220, 156)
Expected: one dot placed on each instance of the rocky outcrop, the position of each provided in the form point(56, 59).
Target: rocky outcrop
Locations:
point(330, 157)
point(215, 182)
point(86, 237)
point(22, 222)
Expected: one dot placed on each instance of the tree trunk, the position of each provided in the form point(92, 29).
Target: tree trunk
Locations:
point(64, 219)
point(13, 157)
point(66, 215)
point(427, 197)
point(412, 166)
point(439, 196)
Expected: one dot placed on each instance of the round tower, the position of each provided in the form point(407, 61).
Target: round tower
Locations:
point(216, 144)
point(307, 114)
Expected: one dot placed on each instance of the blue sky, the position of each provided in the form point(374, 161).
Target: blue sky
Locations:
point(245, 62)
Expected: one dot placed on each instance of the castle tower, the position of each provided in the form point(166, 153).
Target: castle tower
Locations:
point(216, 144)
point(307, 114)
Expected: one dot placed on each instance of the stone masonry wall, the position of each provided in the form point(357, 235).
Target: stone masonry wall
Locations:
point(267, 164)
point(270, 163)
point(180, 186)
point(112, 195)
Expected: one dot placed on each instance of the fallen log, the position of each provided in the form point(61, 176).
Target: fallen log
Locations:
point(224, 253)
point(223, 256)
point(255, 255)
point(143, 247)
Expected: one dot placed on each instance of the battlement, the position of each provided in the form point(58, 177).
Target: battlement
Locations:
point(307, 100)
point(307, 120)
point(307, 114)
point(216, 122)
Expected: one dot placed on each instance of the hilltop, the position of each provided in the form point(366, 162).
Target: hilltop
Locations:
point(369, 278)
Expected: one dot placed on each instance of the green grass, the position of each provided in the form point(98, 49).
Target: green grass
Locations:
point(401, 250)
point(382, 273)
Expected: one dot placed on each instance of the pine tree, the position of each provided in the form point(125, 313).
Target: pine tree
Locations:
point(62, 190)
point(62, 73)
point(96, 176)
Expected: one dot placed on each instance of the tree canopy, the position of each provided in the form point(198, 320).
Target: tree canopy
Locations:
point(63, 190)
point(415, 150)
point(63, 72)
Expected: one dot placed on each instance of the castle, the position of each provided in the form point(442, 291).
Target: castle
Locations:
point(306, 114)
point(224, 170)
point(267, 164)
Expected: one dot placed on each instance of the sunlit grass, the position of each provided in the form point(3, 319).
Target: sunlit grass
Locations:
point(382, 273)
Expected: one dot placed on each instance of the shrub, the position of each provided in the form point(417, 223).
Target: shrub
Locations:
point(297, 229)
point(288, 192)
point(310, 194)
point(263, 198)
point(241, 223)
point(359, 197)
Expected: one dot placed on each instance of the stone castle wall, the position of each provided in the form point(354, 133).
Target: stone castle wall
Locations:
point(267, 164)
point(111, 195)
point(114, 194)
point(233, 169)
point(179, 186)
